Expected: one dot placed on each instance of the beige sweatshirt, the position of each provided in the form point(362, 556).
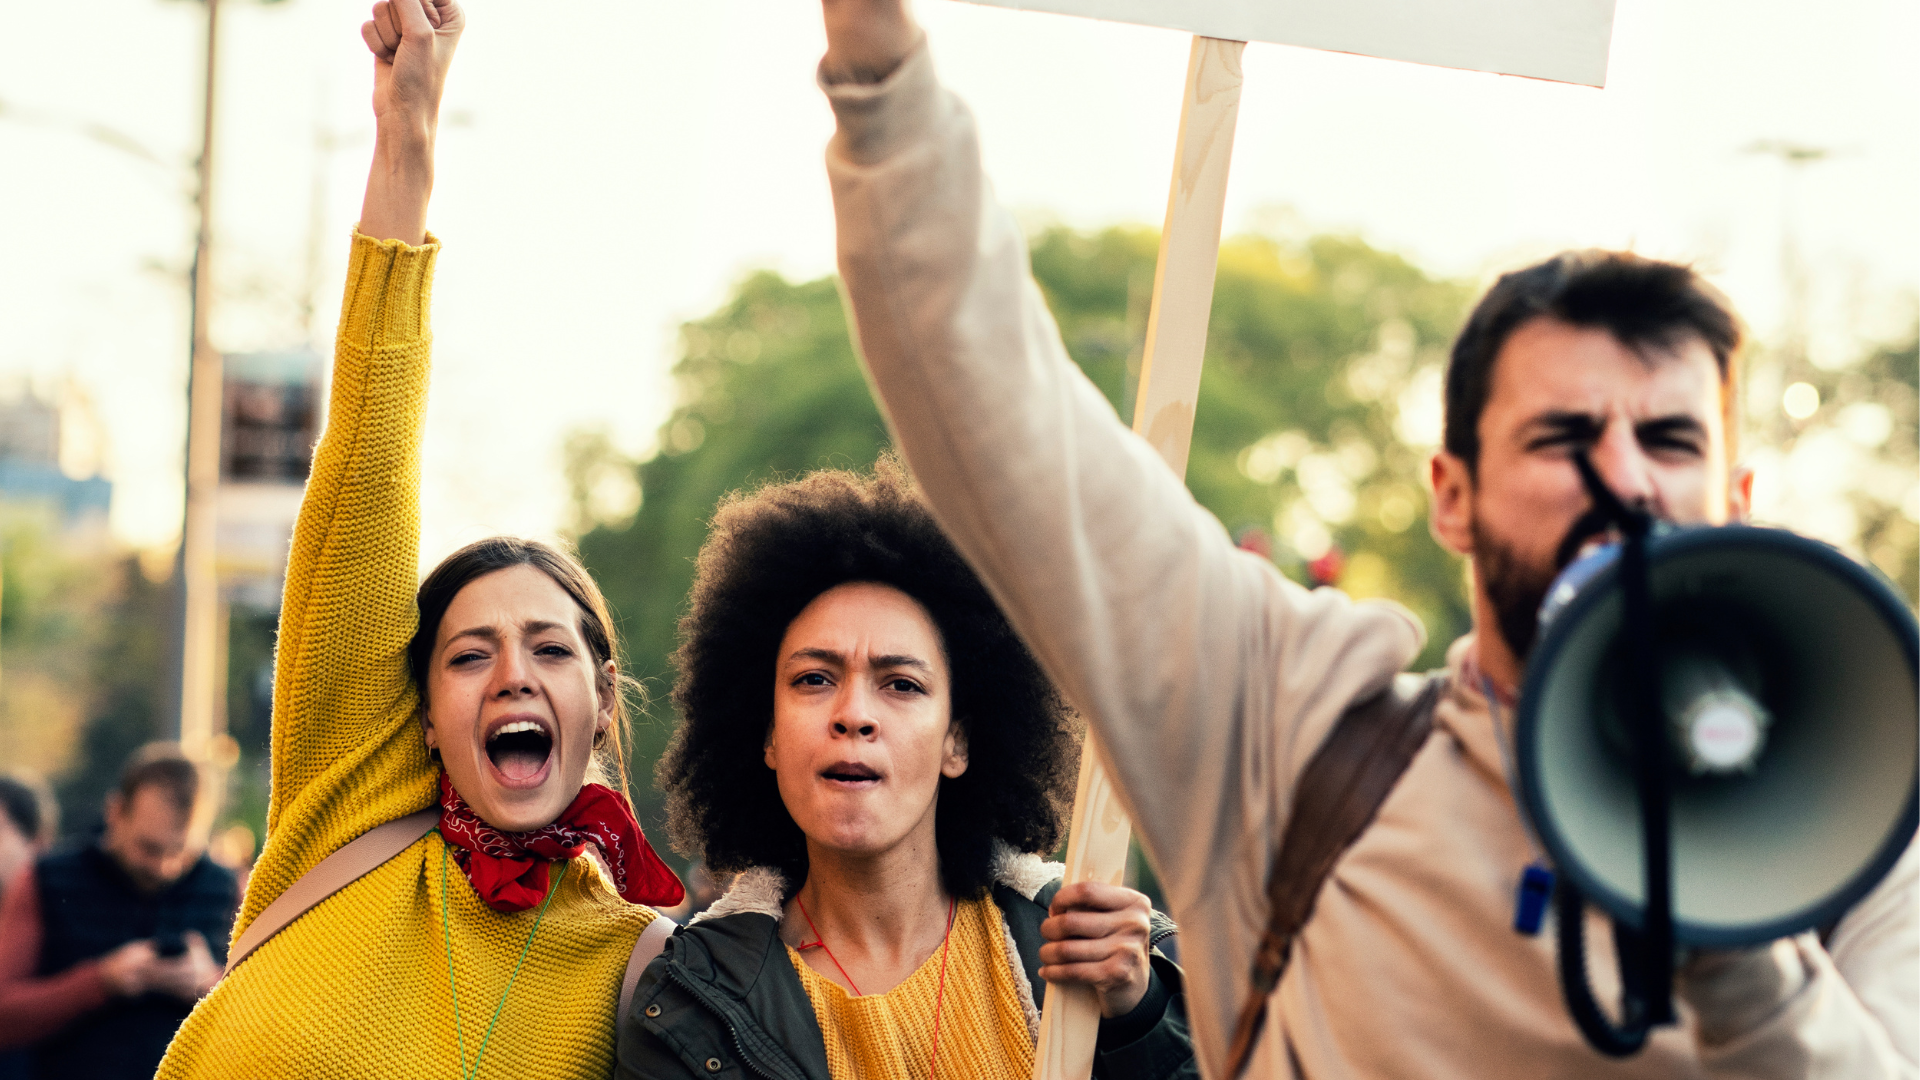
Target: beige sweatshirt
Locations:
point(1211, 680)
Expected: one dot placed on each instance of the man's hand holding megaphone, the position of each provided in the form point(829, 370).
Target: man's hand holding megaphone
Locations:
point(1716, 743)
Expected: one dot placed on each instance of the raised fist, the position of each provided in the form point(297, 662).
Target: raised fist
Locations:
point(866, 39)
point(412, 43)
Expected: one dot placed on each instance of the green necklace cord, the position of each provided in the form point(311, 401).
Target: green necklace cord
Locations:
point(446, 935)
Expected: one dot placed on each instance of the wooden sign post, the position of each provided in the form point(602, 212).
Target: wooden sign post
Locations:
point(1163, 414)
point(1560, 40)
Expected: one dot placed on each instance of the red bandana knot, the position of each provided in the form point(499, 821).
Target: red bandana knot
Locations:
point(509, 869)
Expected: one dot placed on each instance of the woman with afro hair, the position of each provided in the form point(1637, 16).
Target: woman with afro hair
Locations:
point(876, 758)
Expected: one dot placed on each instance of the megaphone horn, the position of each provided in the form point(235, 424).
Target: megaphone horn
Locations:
point(1716, 744)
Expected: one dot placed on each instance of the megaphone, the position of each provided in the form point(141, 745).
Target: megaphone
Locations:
point(1716, 743)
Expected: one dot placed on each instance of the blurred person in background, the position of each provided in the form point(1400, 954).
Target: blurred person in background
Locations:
point(702, 890)
point(29, 820)
point(478, 714)
point(105, 947)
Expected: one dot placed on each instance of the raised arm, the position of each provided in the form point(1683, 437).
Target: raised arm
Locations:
point(1209, 678)
point(347, 752)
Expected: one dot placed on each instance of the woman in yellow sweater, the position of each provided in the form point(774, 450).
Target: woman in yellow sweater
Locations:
point(493, 945)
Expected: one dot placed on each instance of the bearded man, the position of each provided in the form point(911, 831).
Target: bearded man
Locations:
point(1211, 680)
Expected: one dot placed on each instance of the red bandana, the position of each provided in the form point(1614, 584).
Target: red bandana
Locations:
point(509, 870)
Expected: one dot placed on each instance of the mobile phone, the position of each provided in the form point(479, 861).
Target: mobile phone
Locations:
point(169, 945)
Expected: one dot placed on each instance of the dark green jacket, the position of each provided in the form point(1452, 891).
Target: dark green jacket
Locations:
point(723, 1000)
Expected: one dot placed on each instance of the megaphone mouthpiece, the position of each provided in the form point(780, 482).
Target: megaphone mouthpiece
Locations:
point(1718, 727)
point(1722, 733)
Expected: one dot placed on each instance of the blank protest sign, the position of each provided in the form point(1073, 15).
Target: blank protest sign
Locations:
point(1561, 40)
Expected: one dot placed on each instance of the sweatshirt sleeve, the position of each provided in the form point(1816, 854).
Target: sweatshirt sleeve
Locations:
point(347, 752)
point(1190, 659)
point(1152, 1042)
point(1798, 1010)
point(32, 1008)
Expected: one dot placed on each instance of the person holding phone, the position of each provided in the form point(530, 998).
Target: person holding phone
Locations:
point(105, 947)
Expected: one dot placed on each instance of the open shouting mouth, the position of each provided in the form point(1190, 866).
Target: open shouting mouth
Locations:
point(851, 775)
point(520, 749)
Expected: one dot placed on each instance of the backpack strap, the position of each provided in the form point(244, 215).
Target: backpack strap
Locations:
point(645, 948)
point(354, 860)
point(371, 849)
point(1334, 801)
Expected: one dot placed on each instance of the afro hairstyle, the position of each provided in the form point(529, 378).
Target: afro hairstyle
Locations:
point(768, 555)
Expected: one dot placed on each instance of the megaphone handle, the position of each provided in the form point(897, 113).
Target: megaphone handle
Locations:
point(1646, 955)
point(1570, 914)
point(1653, 974)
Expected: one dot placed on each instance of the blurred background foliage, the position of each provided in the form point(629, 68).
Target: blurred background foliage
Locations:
point(1320, 402)
point(1318, 405)
point(1835, 449)
point(82, 660)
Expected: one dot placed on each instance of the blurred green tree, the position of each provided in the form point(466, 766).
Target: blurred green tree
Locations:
point(1840, 463)
point(1877, 405)
point(1320, 400)
point(50, 603)
point(766, 387)
point(123, 696)
point(250, 639)
point(1319, 403)
point(82, 636)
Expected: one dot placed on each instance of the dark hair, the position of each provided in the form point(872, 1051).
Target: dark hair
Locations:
point(1644, 303)
point(161, 765)
point(770, 554)
point(483, 557)
point(30, 806)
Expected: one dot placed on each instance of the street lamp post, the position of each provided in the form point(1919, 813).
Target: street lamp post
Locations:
point(201, 666)
point(202, 628)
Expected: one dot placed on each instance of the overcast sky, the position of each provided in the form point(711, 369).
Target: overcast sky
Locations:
point(610, 170)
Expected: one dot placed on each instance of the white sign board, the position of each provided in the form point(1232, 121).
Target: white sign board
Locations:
point(1562, 40)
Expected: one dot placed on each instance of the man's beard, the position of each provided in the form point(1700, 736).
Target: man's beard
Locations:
point(1515, 588)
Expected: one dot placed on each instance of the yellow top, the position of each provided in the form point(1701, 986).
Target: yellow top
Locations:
point(983, 1026)
point(358, 986)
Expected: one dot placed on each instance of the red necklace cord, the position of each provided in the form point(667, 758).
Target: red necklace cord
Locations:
point(939, 997)
point(822, 943)
point(933, 1063)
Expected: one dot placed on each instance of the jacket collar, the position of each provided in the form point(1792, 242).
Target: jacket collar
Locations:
point(757, 890)
point(731, 959)
point(762, 890)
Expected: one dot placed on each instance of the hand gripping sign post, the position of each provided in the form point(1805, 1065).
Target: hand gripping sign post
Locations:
point(1560, 40)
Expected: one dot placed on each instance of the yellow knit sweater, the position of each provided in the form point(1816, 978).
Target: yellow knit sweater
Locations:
point(983, 1025)
point(358, 987)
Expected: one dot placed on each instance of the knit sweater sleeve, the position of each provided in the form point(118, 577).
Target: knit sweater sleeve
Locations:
point(347, 752)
